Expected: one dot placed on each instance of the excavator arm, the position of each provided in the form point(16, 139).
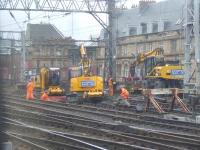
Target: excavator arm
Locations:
point(143, 56)
point(85, 61)
point(153, 53)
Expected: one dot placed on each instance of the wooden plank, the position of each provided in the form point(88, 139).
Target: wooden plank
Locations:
point(161, 91)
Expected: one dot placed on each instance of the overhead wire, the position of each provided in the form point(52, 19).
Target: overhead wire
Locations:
point(51, 18)
point(34, 18)
point(11, 14)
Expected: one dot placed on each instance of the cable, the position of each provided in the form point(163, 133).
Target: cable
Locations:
point(24, 21)
point(11, 14)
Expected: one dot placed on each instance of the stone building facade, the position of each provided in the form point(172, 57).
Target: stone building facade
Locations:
point(49, 48)
point(130, 46)
point(143, 28)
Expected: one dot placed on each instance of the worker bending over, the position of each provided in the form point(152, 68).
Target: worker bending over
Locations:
point(44, 96)
point(124, 93)
point(123, 100)
point(29, 90)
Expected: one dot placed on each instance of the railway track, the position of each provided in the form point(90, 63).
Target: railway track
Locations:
point(133, 100)
point(114, 116)
point(53, 116)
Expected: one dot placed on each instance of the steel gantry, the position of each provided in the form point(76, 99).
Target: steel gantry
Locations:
point(19, 42)
point(96, 6)
point(93, 7)
point(192, 50)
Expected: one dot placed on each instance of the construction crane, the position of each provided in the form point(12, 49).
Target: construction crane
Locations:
point(83, 84)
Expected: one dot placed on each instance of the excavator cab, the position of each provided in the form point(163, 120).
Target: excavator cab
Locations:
point(54, 77)
point(54, 82)
point(151, 62)
point(50, 79)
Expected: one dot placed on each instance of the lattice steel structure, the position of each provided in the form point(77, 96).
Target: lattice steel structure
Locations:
point(96, 6)
point(192, 77)
point(92, 7)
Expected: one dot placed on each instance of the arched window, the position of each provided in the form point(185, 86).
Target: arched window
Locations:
point(126, 70)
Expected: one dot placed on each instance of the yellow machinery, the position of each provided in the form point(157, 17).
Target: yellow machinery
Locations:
point(82, 82)
point(36, 81)
point(155, 72)
point(49, 79)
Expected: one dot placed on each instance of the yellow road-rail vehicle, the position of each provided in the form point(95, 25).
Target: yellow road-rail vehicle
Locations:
point(154, 72)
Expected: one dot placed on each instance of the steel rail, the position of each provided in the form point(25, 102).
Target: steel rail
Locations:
point(62, 109)
point(12, 111)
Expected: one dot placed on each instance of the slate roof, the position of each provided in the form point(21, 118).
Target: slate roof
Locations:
point(168, 10)
point(42, 32)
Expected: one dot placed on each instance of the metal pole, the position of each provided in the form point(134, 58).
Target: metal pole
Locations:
point(197, 44)
point(23, 55)
point(188, 41)
point(112, 39)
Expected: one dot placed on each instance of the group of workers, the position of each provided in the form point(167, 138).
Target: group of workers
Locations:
point(124, 94)
point(30, 89)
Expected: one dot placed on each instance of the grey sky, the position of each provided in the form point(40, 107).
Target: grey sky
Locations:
point(77, 25)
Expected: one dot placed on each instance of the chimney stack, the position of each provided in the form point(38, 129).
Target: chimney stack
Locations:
point(143, 4)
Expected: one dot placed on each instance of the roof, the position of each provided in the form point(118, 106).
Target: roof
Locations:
point(165, 11)
point(42, 32)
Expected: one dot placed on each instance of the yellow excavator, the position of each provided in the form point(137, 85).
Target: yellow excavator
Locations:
point(49, 79)
point(155, 72)
point(83, 83)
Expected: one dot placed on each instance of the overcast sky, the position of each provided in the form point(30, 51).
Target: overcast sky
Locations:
point(77, 25)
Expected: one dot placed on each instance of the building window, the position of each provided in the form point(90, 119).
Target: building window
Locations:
point(126, 71)
point(161, 44)
point(52, 63)
point(144, 28)
point(173, 45)
point(155, 27)
point(119, 51)
point(125, 51)
point(58, 52)
point(105, 34)
point(132, 31)
point(102, 52)
point(167, 25)
point(52, 51)
point(119, 66)
point(100, 70)
point(38, 63)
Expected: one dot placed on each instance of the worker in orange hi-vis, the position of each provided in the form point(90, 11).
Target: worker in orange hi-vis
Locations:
point(124, 93)
point(110, 85)
point(44, 96)
point(123, 100)
point(29, 90)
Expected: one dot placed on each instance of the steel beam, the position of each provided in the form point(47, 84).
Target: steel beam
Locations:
point(112, 39)
point(96, 6)
point(188, 27)
point(197, 44)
